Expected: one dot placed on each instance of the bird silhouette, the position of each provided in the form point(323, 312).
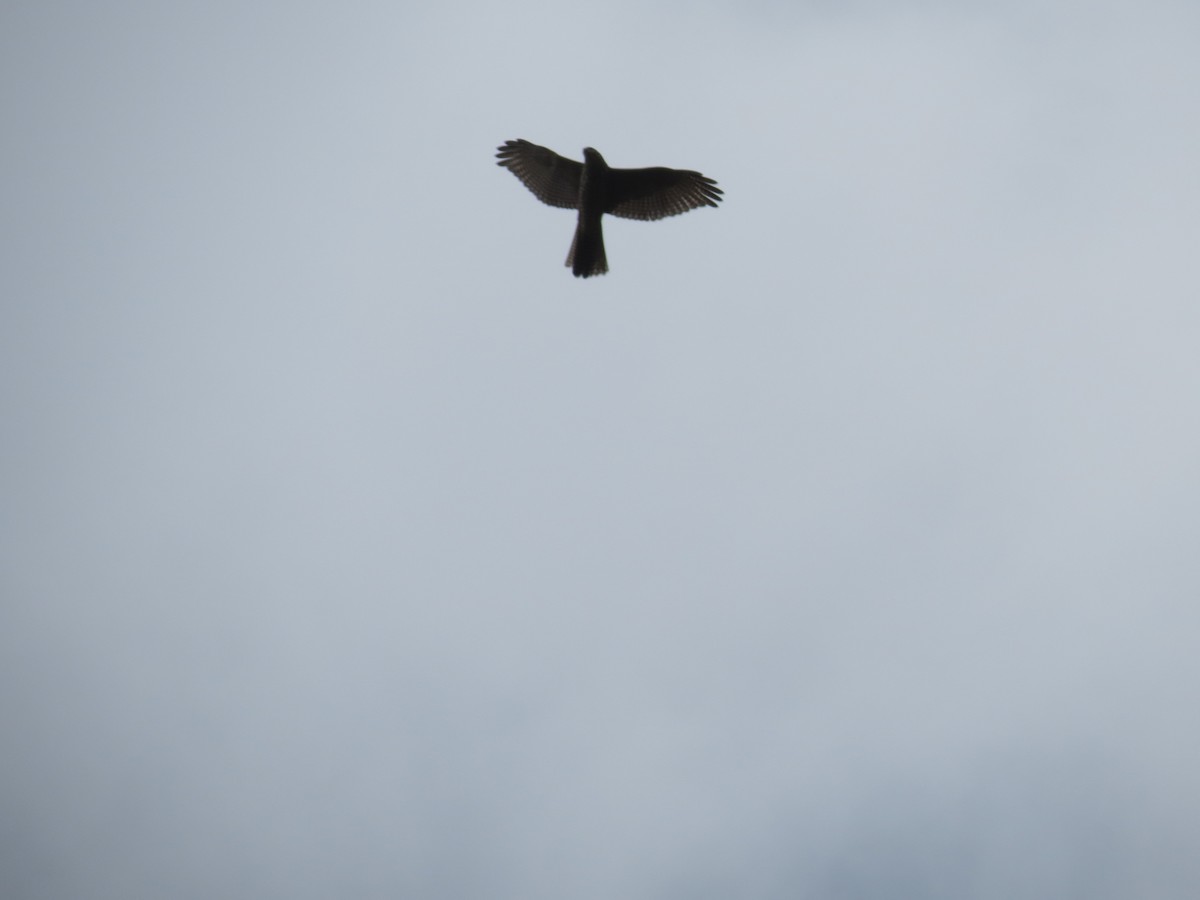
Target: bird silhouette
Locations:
point(593, 188)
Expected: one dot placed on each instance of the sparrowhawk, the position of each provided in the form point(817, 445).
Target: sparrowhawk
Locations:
point(594, 189)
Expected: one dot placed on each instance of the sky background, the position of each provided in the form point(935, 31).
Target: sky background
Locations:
point(840, 543)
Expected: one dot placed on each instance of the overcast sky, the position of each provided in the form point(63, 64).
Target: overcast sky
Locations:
point(841, 542)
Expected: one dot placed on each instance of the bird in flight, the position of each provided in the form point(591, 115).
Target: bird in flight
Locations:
point(594, 189)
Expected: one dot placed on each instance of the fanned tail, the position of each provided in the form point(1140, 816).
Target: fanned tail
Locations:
point(587, 249)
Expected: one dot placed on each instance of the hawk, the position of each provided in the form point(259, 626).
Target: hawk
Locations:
point(594, 189)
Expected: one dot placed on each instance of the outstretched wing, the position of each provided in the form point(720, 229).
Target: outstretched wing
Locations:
point(657, 193)
point(552, 178)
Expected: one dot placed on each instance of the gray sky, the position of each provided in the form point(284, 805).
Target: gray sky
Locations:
point(840, 543)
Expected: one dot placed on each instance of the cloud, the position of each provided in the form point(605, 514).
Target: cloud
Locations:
point(836, 543)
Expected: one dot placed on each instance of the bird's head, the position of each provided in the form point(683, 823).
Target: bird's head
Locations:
point(591, 155)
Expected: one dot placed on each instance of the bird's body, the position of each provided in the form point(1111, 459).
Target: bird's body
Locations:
point(587, 247)
point(593, 188)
